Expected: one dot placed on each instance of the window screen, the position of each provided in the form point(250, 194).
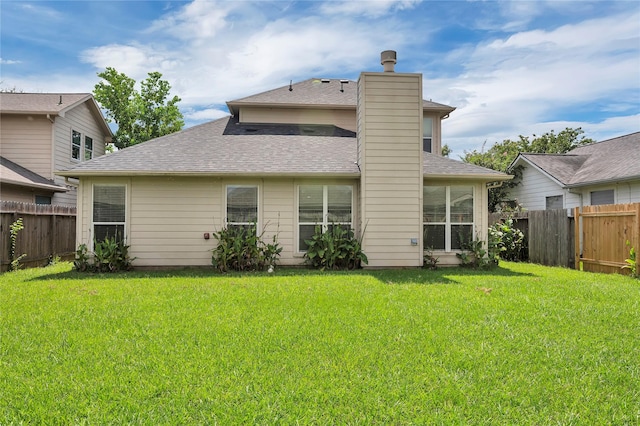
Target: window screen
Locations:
point(602, 197)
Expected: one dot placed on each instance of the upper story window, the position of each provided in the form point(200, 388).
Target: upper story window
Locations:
point(76, 145)
point(325, 206)
point(447, 217)
point(599, 198)
point(109, 210)
point(88, 148)
point(242, 206)
point(81, 151)
point(427, 134)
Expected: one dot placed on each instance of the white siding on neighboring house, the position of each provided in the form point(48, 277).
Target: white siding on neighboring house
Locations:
point(344, 118)
point(390, 145)
point(26, 140)
point(538, 188)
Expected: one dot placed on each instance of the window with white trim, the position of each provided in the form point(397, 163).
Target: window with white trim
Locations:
point(447, 217)
point(427, 134)
point(88, 148)
point(605, 196)
point(109, 212)
point(242, 206)
point(76, 145)
point(325, 206)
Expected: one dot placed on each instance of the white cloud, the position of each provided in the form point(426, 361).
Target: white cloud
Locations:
point(191, 115)
point(366, 7)
point(8, 61)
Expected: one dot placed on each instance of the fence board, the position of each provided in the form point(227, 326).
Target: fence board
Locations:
point(603, 234)
point(49, 231)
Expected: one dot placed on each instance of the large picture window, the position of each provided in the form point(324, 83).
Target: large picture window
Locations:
point(109, 212)
point(242, 206)
point(324, 205)
point(447, 217)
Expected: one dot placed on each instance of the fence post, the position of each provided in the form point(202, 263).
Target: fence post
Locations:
point(578, 236)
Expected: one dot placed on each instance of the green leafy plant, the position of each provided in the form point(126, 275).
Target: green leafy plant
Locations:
point(474, 255)
point(337, 248)
point(632, 262)
point(509, 240)
point(242, 249)
point(14, 229)
point(109, 255)
point(429, 260)
point(81, 261)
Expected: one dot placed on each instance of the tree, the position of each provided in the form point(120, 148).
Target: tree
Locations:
point(142, 115)
point(502, 154)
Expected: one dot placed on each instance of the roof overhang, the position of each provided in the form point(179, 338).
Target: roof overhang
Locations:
point(474, 177)
point(520, 157)
point(127, 173)
point(603, 182)
point(33, 185)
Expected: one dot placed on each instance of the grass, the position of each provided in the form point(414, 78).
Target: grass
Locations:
point(544, 346)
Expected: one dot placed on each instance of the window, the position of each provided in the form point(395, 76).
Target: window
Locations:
point(109, 212)
point(447, 217)
point(554, 202)
point(43, 199)
point(76, 145)
point(242, 206)
point(324, 205)
point(427, 134)
point(88, 148)
point(602, 197)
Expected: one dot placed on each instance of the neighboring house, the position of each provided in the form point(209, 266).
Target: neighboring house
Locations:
point(44, 132)
point(320, 152)
point(606, 172)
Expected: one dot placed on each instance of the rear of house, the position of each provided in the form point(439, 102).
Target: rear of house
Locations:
point(364, 155)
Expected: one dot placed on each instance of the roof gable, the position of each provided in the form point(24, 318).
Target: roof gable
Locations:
point(15, 174)
point(316, 93)
point(616, 159)
point(50, 104)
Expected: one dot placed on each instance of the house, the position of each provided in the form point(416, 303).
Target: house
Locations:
point(44, 132)
point(328, 152)
point(606, 172)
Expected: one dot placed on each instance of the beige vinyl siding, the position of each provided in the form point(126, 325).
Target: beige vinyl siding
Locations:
point(82, 120)
point(19, 194)
point(390, 157)
point(344, 118)
point(167, 217)
point(26, 140)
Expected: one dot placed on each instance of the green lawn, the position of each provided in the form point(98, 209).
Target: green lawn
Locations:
point(544, 346)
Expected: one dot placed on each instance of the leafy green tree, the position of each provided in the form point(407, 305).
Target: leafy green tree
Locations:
point(139, 115)
point(502, 154)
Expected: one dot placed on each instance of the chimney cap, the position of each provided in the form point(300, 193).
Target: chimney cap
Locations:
point(388, 60)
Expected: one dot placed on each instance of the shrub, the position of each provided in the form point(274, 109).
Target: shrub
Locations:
point(337, 248)
point(241, 249)
point(632, 262)
point(509, 240)
point(110, 255)
point(474, 255)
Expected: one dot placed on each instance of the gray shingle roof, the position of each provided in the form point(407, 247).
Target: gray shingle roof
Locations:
point(15, 174)
point(209, 149)
point(616, 159)
point(317, 92)
point(39, 103)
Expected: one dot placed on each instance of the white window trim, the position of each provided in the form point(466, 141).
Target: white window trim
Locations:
point(125, 237)
point(80, 147)
point(448, 222)
point(325, 210)
point(258, 201)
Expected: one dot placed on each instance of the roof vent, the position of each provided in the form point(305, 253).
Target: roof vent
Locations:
point(388, 60)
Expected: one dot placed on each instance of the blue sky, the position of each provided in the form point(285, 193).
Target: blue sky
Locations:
point(510, 68)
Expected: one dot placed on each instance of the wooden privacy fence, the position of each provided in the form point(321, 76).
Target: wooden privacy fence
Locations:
point(602, 233)
point(548, 234)
point(49, 231)
point(551, 238)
